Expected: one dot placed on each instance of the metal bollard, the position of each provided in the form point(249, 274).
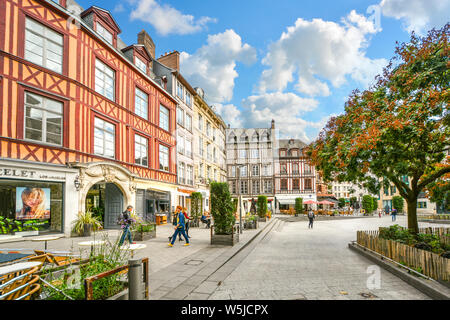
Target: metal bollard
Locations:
point(135, 279)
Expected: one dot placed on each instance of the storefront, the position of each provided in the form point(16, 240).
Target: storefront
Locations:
point(150, 203)
point(35, 199)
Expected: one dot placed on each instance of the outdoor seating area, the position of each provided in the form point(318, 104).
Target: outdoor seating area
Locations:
point(19, 281)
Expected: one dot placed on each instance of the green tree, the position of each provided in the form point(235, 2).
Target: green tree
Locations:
point(222, 208)
point(367, 203)
point(298, 205)
point(353, 201)
point(374, 203)
point(341, 202)
point(398, 127)
point(262, 206)
point(196, 205)
point(397, 203)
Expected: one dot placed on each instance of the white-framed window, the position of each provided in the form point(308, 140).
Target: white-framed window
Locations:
point(188, 124)
point(244, 187)
point(233, 171)
point(189, 175)
point(242, 153)
point(180, 144)
point(254, 153)
point(255, 170)
point(200, 170)
point(141, 103)
point(255, 186)
point(43, 46)
point(215, 174)
point(208, 129)
point(267, 186)
point(163, 158)
point(200, 122)
point(163, 117)
point(104, 79)
point(104, 33)
point(104, 138)
point(179, 90)
point(181, 178)
point(208, 172)
point(141, 65)
point(43, 119)
point(180, 116)
point(140, 150)
point(188, 98)
point(188, 147)
point(243, 171)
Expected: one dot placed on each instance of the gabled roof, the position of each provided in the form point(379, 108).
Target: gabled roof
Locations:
point(104, 15)
point(139, 48)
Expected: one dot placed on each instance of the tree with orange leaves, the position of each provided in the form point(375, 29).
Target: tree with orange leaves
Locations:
point(398, 127)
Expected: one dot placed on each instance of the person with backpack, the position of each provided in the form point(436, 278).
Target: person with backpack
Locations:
point(126, 221)
point(179, 227)
point(311, 218)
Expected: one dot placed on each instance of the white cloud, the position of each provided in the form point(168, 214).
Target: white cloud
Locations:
point(316, 52)
point(286, 109)
point(213, 66)
point(166, 19)
point(230, 114)
point(418, 15)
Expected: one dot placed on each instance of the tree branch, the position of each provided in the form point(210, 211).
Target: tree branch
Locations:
point(433, 177)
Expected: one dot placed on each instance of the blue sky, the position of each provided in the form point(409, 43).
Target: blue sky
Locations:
point(289, 60)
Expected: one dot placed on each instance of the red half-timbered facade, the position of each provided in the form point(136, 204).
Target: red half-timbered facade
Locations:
point(75, 88)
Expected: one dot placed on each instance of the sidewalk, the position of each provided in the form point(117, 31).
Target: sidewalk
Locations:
point(168, 266)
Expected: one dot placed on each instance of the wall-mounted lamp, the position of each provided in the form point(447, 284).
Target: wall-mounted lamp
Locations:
point(77, 182)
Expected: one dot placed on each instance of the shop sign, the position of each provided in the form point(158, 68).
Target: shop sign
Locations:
point(23, 173)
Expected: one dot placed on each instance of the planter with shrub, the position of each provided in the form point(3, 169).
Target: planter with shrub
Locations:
point(85, 224)
point(143, 231)
point(224, 231)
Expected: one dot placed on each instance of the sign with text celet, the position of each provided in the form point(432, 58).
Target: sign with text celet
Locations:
point(29, 174)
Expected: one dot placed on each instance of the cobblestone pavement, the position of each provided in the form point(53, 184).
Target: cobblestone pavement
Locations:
point(294, 262)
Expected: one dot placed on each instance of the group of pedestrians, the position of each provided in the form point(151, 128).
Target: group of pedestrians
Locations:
point(181, 226)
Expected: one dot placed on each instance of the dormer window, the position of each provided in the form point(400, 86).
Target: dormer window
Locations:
point(108, 36)
point(141, 65)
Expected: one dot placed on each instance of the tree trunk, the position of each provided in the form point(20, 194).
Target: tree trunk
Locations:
point(413, 225)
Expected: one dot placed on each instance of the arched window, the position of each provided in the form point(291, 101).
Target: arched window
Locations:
point(255, 137)
point(232, 137)
point(244, 137)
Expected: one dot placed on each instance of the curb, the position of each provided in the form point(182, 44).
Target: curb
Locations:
point(435, 221)
point(433, 289)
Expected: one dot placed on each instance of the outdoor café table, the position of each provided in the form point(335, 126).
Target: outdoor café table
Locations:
point(91, 244)
point(48, 238)
point(16, 267)
point(133, 247)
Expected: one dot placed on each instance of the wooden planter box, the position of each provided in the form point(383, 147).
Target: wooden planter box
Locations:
point(143, 236)
point(225, 239)
point(251, 224)
point(262, 219)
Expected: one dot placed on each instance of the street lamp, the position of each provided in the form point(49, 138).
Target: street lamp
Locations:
point(238, 169)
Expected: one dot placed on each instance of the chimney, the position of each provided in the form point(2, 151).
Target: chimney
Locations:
point(146, 40)
point(171, 60)
point(273, 124)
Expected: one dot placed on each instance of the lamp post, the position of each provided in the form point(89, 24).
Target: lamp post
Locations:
point(238, 167)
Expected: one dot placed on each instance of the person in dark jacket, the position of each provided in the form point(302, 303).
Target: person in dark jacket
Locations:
point(311, 217)
point(126, 222)
point(180, 227)
point(394, 214)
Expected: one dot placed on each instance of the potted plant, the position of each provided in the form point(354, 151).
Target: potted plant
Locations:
point(251, 221)
point(86, 223)
point(298, 206)
point(196, 208)
point(142, 231)
point(262, 208)
point(223, 231)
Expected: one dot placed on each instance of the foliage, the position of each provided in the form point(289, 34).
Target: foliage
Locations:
point(341, 202)
point(374, 203)
point(398, 127)
point(397, 203)
point(196, 205)
point(262, 206)
point(221, 208)
point(83, 219)
point(235, 205)
point(9, 226)
point(105, 257)
point(299, 205)
point(250, 217)
point(99, 213)
point(367, 203)
point(353, 201)
point(430, 242)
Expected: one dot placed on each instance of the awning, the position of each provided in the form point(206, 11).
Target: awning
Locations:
point(185, 191)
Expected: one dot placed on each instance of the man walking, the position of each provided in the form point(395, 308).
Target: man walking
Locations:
point(126, 222)
point(311, 217)
point(394, 214)
point(180, 227)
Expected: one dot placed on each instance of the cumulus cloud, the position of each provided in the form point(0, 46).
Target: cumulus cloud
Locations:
point(230, 114)
point(316, 52)
point(166, 19)
point(418, 15)
point(213, 66)
point(286, 109)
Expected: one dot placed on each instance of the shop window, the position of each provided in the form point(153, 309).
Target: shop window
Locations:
point(43, 119)
point(30, 206)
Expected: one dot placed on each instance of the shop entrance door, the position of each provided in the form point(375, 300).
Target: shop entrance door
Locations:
point(113, 205)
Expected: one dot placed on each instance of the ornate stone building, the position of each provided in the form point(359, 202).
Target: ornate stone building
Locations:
point(209, 147)
point(250, 163)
